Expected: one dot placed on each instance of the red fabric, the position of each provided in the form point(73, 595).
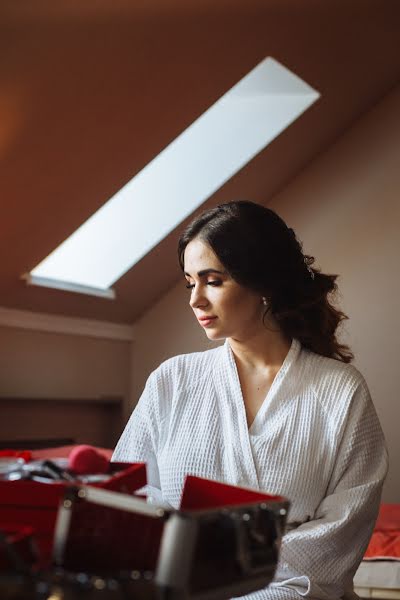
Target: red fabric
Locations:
point(385, 540)
point(384, 545)
point(388, 518)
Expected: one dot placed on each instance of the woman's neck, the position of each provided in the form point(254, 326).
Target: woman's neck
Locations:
point(266, 349)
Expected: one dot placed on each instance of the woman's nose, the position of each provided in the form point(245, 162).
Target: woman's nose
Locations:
point(198, 298)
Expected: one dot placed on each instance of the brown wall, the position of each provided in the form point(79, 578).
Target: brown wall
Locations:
point(345, 207)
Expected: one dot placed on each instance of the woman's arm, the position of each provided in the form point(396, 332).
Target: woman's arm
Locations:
point(140, 439)
point(320, 557)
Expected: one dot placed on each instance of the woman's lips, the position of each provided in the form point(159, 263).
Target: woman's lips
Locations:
point(205, 321)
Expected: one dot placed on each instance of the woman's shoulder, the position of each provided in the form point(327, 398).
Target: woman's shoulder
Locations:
point(171, 381)
point(324, 367)
point(333, 381)
point(185, 367)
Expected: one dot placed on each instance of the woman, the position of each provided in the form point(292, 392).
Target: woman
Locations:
point(276, 408)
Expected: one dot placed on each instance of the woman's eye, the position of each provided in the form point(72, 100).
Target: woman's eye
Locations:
point(215, 282)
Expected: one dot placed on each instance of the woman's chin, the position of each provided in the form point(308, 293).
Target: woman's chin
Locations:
point(214, 335)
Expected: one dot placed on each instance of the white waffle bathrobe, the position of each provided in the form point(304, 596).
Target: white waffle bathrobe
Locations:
point(316, 440)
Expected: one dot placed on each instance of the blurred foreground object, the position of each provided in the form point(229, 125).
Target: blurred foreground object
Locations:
point(64, 539)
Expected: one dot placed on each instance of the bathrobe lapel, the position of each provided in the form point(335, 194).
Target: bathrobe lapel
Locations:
point(234, 430)
point(237, 439)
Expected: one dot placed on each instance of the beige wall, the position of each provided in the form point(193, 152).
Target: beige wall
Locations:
point(167, 329)
point(345, 207)
point(43, 365)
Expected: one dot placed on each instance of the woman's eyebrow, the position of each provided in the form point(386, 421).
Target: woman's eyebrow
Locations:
point(207, 272)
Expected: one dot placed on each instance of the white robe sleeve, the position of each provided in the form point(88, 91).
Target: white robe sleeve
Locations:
point(140, 440)
point(320, 557)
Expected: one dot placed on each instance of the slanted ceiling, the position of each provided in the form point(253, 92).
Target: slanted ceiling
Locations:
point(91, 92)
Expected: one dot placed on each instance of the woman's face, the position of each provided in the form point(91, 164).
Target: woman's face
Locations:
point(223, 307)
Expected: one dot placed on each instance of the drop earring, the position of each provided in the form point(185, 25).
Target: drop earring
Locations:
point(264, 301)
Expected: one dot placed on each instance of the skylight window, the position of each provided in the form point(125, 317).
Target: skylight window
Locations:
point(187, 172)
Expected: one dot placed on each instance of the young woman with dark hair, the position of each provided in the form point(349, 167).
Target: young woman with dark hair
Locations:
point(262, 254)
point(276, 408)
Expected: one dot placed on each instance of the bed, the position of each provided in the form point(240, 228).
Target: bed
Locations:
point(379, 573)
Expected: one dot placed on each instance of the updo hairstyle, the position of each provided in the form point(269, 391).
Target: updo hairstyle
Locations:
point(261, 253)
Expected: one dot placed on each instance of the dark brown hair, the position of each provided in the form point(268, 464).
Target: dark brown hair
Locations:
point(261, 253)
